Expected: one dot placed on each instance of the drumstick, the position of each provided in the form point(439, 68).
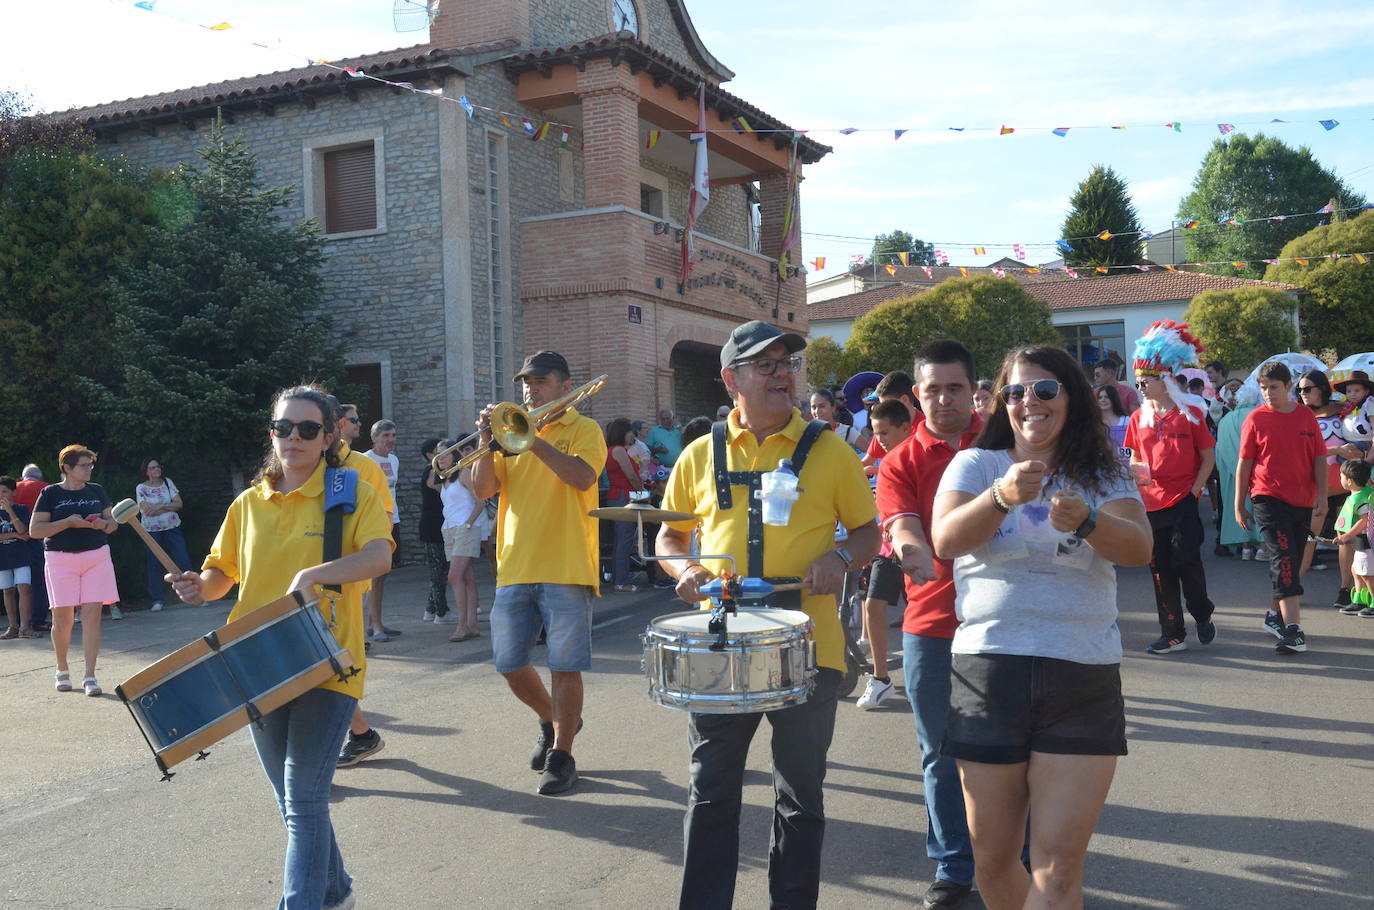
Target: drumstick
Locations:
point(126, 513)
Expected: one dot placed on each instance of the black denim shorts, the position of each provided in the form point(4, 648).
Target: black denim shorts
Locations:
point(885, 579)
point(1003, 707)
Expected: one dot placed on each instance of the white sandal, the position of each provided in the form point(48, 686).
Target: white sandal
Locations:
point(64, 681)
point(91, 686)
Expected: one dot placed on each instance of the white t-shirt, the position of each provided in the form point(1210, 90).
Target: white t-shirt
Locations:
point(458, 503)
point(1031, 589)
point(391, 467)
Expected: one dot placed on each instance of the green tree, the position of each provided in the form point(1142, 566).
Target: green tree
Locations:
point(824, 360)
point(22, 126)
point(1244, 177)
point(1243, 325)
point(886, 246)
point(988, 315)
point(1336, 311)
point(217, 314)
point(66, 219)
point(1101, 203)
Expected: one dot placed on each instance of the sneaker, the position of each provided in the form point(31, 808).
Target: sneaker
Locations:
point(381, 636)
point(1317, 566)
point(874, 692)
point(348, 903)
point(1367, 613)
point(1223, 551)
point(447, 619)
point(1352, 609)
point(539, 757)
point(665, 585)
point(942, 894)
point(560, 773)
point(115, 612)
point(1342, 599)
point(1206, 632)
point(1273, 624)
point(1247, 553)
point(394, 633)
point(428, 617)
point(357, 748)
point(1292, 641)
point(156, 607)
point(1166, 645)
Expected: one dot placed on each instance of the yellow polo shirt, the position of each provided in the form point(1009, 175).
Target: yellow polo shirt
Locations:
point(543, 532)
point(833, 489)
point(370, 473)
point(268, 537)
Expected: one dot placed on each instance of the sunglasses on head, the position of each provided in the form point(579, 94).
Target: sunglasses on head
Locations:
point(281, 428)
point(1043, 389)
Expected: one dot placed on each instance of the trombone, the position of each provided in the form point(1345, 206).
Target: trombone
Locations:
point(514, 429)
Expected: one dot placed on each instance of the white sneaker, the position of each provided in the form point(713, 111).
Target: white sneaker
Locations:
point(156, 607)
point(875, 691)
point(1247, 553)
point(447, 619)
point(115, 612)
point(428, 617)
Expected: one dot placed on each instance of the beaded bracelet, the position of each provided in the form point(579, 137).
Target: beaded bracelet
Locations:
point(998, 502)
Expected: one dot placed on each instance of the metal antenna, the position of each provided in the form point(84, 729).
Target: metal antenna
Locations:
point(413, 15)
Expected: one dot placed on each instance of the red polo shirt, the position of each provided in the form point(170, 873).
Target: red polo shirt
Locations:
point(1284, 447)
point(907, 481)
point(875, 448)
point(26, 492)
point(1173, 449)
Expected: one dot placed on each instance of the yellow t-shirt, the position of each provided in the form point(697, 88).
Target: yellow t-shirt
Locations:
point(370, 473)
point(833, 488)
point(543, 532)
point(268, 537)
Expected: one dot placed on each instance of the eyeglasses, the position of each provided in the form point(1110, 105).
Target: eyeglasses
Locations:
point(767, 366)
point(353, 420)
point(1306, 388)
point(281, 428)
point(88, 465)
point(1043, 389)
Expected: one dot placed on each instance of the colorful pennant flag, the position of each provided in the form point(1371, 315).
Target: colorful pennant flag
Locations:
point(1175, 126)
point(219, 27)
point(529, 126)
point(563, 138)
point(1064, 245)
point(856, 259)
point(1146, 235)
point(1225, 128)
point(1333, 255)
point(741, 125)
point(1270, 261)
point(891, 269)
point(1105, 235)
point(505, 121)
point(1172, 268)
point(848, 131)
point(1018, 251)
point(1191, 225)
point(1118, 127)
point(1071, 273)
point(930, 273)
point(1301, 262)
point(1143, 268)
point(897, 134)
point(1060, 131)
point(963, 270)
point(905, 258)
point(1326, 209)
point(146, 4)
point(541, 132)
point(1006, 129)
point(980, 251)
point(818, 263)
point(1032, 271)
point(1239, 265)
point(356, 74)
point(1000, 273)
point(467, 105)
point(1329, 125)
point(1100, 269)
point(1361, 258)
point(956, 129)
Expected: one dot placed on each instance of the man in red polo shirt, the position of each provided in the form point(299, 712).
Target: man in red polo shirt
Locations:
point(907, 481)
point(26, 494)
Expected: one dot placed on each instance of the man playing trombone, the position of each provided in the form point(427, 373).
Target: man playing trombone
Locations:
point(547, 559)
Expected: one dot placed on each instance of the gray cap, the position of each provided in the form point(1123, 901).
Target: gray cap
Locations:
point(753, 337)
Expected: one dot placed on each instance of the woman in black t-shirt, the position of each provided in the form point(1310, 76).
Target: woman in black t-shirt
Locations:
point(432, 538)
point(73, 519)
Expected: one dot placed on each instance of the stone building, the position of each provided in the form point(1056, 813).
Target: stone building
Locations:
point(457, 244)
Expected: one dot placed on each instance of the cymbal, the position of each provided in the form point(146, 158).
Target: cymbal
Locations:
point(635, 512)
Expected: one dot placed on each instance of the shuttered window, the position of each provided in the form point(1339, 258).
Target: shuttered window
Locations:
point(350, 189)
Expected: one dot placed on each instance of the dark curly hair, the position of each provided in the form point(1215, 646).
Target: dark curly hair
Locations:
point(1084, 454)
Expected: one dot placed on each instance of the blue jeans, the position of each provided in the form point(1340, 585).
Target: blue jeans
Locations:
point(174, 543)
point(565, 612)
point(298, 747)
point(624, 539)
point(38, 588)
point(926, 666)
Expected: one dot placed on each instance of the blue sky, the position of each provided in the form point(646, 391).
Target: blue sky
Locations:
point(883, 65)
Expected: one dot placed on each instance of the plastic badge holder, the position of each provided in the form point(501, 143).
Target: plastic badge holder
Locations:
point(778, 492)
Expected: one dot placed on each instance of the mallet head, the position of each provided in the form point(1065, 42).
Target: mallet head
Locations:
point(125, 511)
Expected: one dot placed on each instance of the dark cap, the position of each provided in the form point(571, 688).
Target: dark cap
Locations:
point(541, 363)
point(753, 337)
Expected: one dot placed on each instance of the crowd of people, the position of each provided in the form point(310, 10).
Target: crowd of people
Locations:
point(994, 512)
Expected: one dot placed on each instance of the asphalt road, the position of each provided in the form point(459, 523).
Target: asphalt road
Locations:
point(1248, 783)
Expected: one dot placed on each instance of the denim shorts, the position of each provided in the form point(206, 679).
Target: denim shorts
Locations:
point(1003, 707)
point(565, 611)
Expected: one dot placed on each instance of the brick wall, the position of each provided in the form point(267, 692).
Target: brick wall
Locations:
point(463, 22)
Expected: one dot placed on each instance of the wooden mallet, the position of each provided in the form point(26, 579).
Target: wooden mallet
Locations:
point(126, 513)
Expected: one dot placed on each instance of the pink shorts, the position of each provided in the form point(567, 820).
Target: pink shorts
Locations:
point(80, 578)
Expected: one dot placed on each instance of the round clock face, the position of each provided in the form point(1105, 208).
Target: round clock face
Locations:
point(624, 17)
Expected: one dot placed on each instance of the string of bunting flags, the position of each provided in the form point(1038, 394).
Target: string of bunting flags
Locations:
point(818, 264)
point(535, 130)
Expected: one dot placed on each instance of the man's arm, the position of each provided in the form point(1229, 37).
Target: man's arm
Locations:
point(912, 549)
point(690, 574)
point(1319, 508)
point(826, 574)
point(570, 469)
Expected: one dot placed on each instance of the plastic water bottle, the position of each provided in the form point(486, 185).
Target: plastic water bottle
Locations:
point(778, 492)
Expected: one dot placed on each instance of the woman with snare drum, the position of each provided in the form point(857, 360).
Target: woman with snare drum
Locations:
point(73, 520)
point(271, 543)
point(1034, 516)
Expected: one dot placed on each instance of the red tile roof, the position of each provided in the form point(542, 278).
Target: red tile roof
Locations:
point(852, 306)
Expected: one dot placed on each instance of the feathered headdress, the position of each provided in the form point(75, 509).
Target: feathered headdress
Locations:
point(1164, 351)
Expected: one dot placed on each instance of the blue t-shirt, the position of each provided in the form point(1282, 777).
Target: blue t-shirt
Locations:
point(60, 503)
point(14, 553)
point(667, 440)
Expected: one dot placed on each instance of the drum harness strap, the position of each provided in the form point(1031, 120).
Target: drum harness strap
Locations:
point(753, 481)
point(340, 497)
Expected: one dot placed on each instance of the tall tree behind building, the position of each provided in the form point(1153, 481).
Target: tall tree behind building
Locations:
point(1244, 177)
point(1102, 205)
point(886, 246)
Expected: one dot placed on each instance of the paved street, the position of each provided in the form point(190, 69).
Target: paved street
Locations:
point(1248, 783)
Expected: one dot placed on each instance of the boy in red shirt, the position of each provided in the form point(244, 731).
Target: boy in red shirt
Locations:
point(1283, 469)
point(1171, 439)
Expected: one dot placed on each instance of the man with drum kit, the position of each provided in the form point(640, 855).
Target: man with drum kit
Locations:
point(547, 553)
point(759, 365)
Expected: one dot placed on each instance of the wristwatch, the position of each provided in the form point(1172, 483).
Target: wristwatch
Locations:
point(1088, 526)
point(844, 555)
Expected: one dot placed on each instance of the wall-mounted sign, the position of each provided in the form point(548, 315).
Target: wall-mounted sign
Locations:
point(635, 315)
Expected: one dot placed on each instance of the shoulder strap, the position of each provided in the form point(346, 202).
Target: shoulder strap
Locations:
point(809, 436)
point(171, 487)
point(340, 497)
point(720, 465)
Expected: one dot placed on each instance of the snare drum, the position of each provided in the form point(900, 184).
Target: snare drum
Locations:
point(769, 661)
point(199, 694)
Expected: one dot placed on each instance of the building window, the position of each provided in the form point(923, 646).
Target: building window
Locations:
point(1090, 342)
point(497, 263)
point(651, 200)
point(753, 198)
point(345, 183)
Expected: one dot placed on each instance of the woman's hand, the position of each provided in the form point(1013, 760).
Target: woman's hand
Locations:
point(188, 586)
point(1021, 483)
point(304, 582)
point(1068, 510)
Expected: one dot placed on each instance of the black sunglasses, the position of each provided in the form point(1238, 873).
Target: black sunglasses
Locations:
point(1043, 389)
point(281, 428)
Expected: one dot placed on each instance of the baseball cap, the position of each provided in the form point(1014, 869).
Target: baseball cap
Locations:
point(753, 337)
point(541, 363)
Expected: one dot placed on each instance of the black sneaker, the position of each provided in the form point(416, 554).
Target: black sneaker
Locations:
point(1293, 641)
point(1206, 632)
point(1273, 624)
point(1165, 645)
point(945, 894)
point(542, 745)
point(1342, 599)
point(1223, 551)
point(1352, 609)
point(357, 748)
point(560, 773)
